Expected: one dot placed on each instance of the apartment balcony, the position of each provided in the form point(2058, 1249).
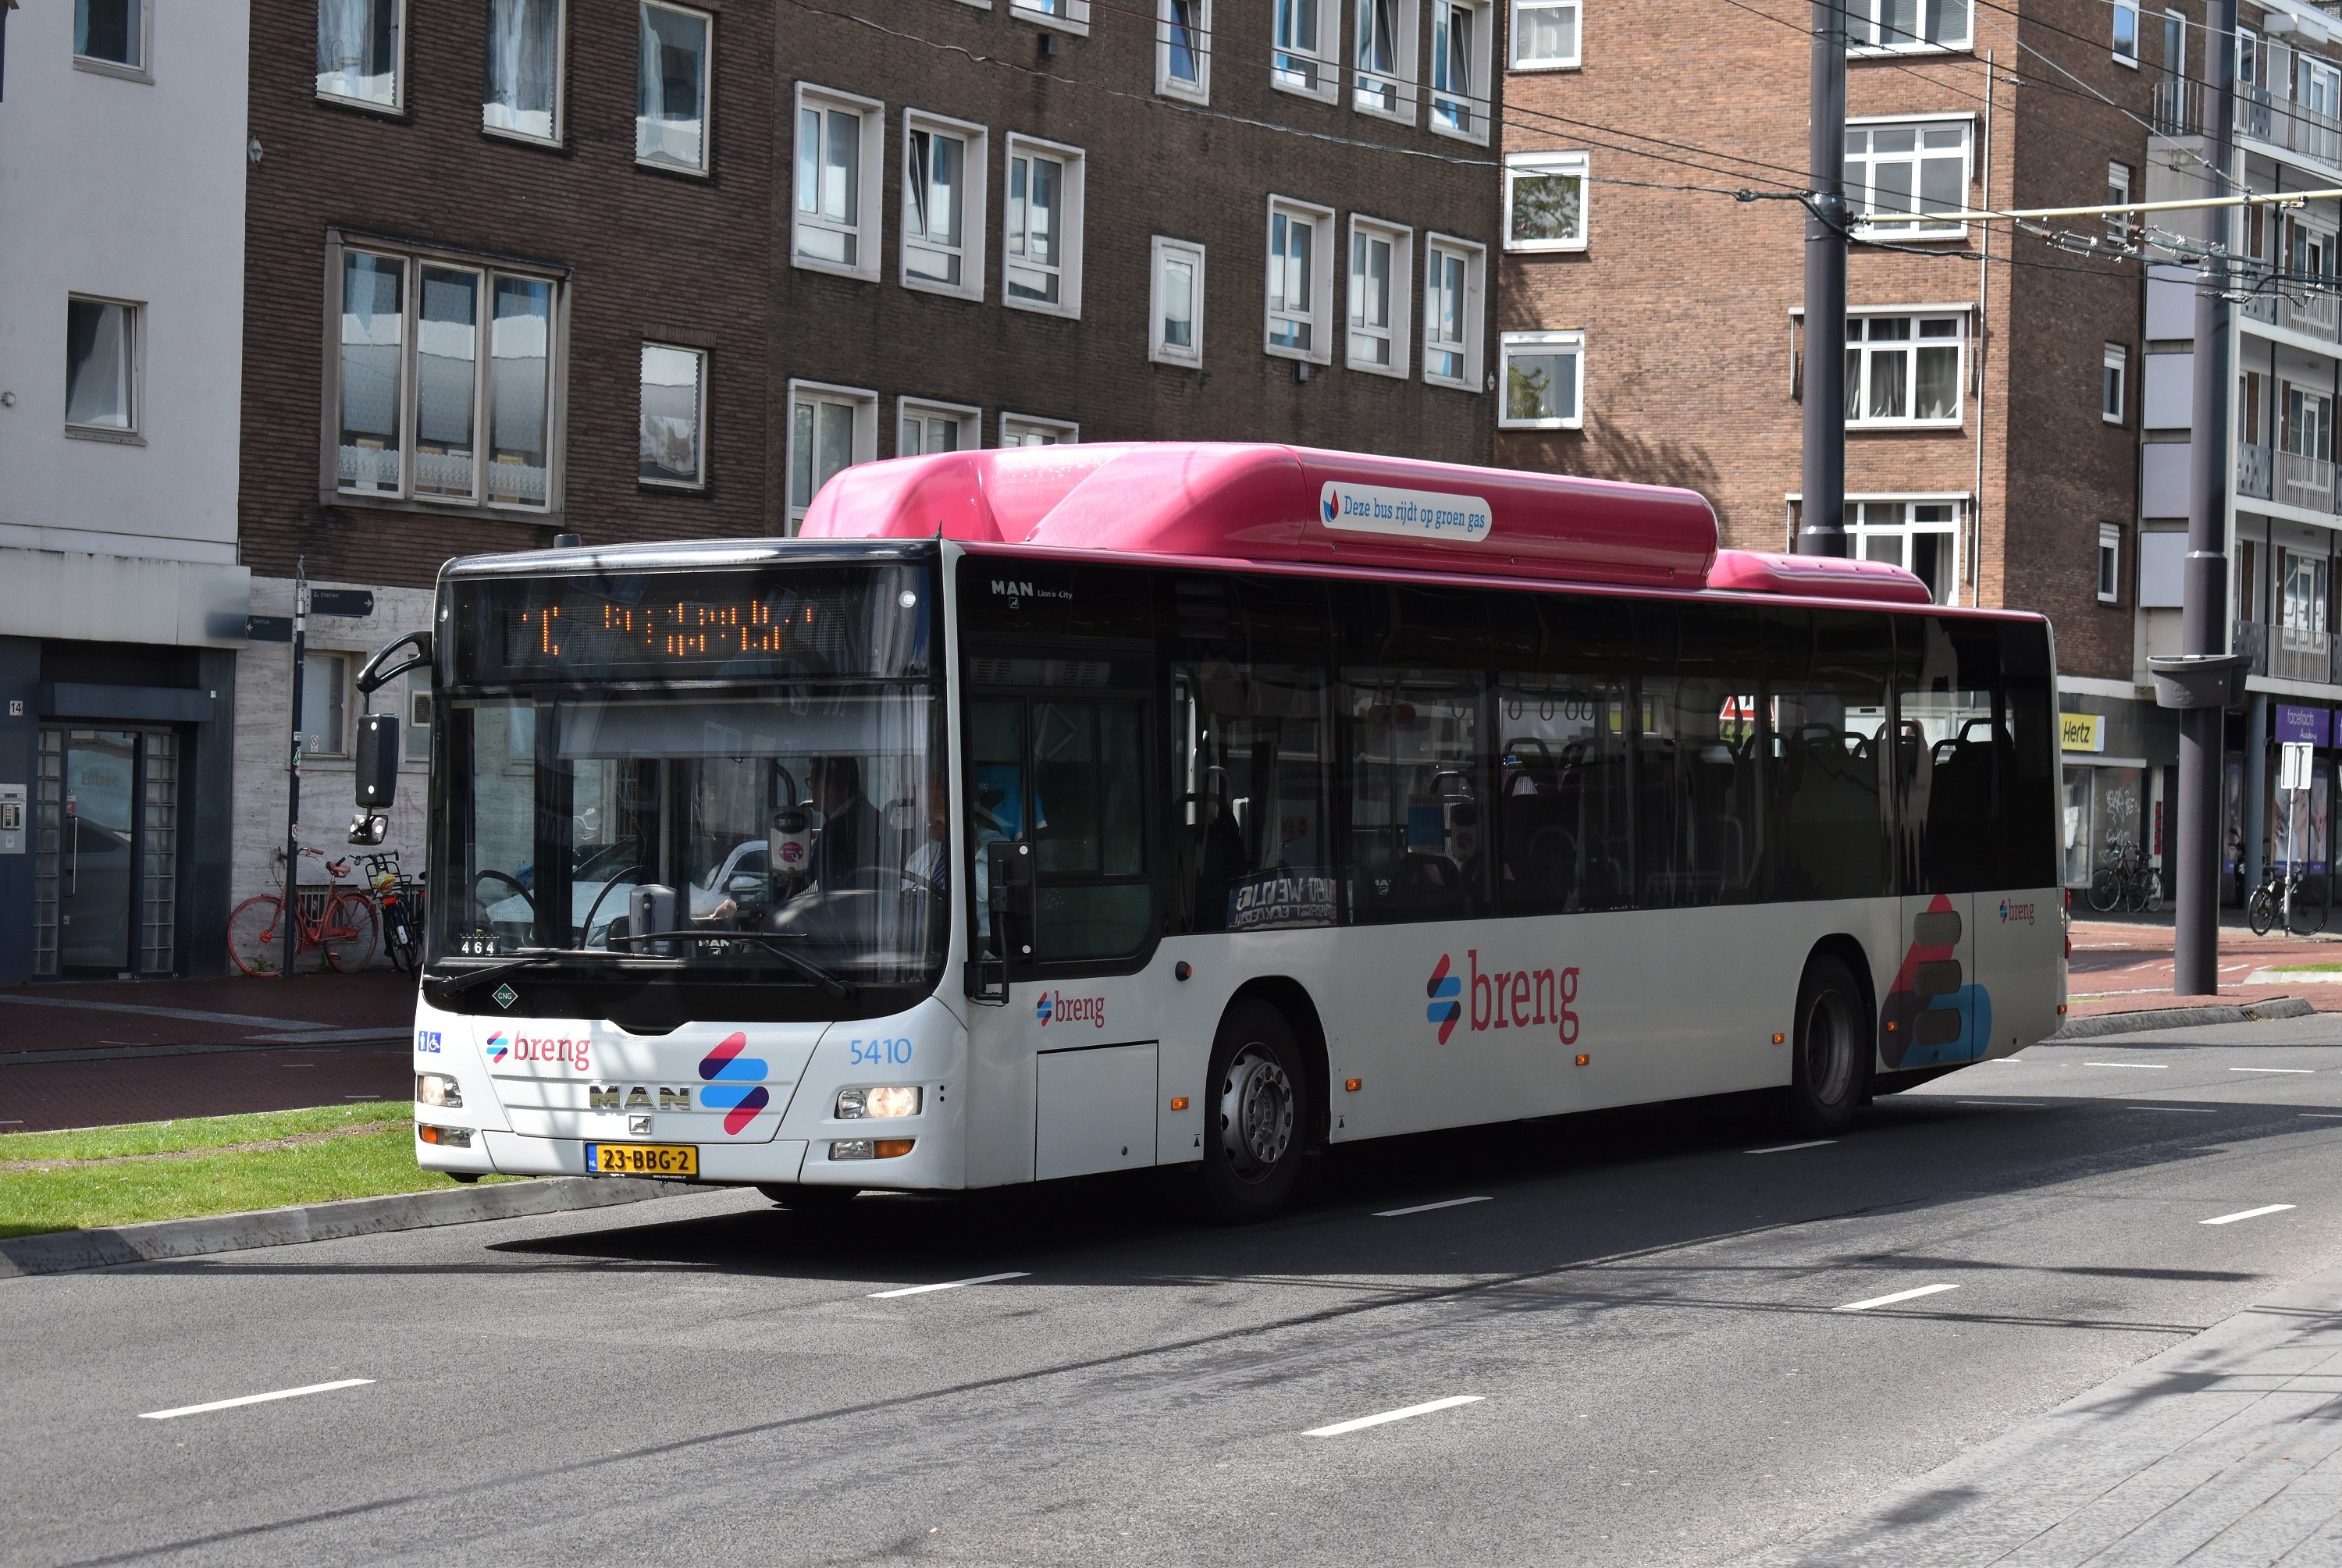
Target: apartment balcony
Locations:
point(2304, 481)
point(2254, 476)
point(2269, 115)
point(2288, 653)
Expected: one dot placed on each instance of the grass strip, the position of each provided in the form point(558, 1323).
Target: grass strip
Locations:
point(177, 1170)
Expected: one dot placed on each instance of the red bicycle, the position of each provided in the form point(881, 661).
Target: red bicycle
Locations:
point(336, 921)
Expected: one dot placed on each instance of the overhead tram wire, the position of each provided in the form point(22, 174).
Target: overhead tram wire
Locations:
point(1160, 102)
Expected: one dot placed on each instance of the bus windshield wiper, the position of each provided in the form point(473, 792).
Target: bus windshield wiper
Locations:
point(458, 984)
point(775, 945)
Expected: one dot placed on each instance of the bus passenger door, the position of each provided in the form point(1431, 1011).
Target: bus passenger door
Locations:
point(1934, 1012)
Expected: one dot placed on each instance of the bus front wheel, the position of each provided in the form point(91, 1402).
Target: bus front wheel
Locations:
point(816, 1204)
point(1832, 1064)
point(1256, 1116)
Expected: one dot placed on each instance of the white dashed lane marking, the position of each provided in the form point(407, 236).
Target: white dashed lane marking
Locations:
point(2246, 1214)
point(950, 1286)
point(1427, 1208)
point(1913, 1294)
point(1785, 1148)
point(254, 1399)
point(1387, 1416)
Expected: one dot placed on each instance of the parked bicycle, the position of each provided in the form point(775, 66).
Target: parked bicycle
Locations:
point(2126, 881)
point(401, 898)
point(2289, 897)
point(343, 927)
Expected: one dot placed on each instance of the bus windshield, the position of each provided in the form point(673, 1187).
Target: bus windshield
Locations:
point(636, 802)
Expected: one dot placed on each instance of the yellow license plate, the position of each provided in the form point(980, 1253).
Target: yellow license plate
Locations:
point(642, 1160)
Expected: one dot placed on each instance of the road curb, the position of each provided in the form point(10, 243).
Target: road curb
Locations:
point(66, 1251)
point(2182, 1018)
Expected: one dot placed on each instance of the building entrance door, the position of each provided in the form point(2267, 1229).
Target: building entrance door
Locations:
point(106, 876)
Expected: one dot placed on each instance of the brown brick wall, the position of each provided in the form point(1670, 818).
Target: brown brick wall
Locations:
point(1686, 296)
point(705, 261)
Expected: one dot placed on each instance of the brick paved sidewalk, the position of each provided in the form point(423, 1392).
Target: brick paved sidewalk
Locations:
point(77, 1054)
point(2124, 966)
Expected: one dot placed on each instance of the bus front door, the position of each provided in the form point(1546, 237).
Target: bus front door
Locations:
point(1934, 1011)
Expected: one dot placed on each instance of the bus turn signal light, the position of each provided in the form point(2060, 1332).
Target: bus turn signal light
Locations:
point(1354, 1084)
point(446, 1137)
point(1179, 1101)
point(1777, 1038)
point(891, 1148)
point(1583, 1058)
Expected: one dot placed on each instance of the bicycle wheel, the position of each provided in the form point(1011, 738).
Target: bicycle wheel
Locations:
point(2308, 915)
point(255, 937)
point(2153, 901)
point(2261, 910)
point(2106, 889)
point(349, 932)
point(401, 939)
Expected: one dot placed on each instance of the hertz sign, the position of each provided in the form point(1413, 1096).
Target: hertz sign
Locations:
point(2081, 732)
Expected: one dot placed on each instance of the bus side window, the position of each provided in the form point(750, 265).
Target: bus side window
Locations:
point(1825, 793)
point(2030, 783)
point(995, 793)
point(1950, 752)
point(1418, 798)
point(1562, 807)
point(1095, 900)
point(1699, 837)
point(1252, 796)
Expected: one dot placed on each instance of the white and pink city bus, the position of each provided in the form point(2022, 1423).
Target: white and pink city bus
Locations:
point(1048, 812)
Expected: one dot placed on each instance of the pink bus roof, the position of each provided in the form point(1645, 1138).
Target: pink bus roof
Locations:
point(1240, 502)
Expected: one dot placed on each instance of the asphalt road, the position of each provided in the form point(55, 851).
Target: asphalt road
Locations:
point(1648, 1312)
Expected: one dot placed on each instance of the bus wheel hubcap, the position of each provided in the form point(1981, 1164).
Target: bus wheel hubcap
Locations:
point(1829, 1048)
point(1257, 1105)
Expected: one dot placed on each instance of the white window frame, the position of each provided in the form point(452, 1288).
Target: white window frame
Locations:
point(134, 373)
point(975, 194)
point(1069, 265)
point(1863, 15)
point(1319, 56)
point(2119, 195)
point(1511, 343)
point(1199, 91)
point(2116, 358)
point(560, 85)
point(1401, 80)
point(705, 167)
point(1476, 293)
point(1868, 224)
point(1400, 333)
point(698, 481)
point(1161, 249)
point(1060, 15)
point(864, 403)
point(1319, 316)
point(1905, 526)
point(336, 698)
point(397, 105)
point(1908, 347)
point(2109, 562)
point(556, 371)
point(1478, 93)
point(1514, 33)
point(139, 70)
point(869, 177)
point(1018, 425)
point(2114, 46)
point(969, 419)
point(1539, 165)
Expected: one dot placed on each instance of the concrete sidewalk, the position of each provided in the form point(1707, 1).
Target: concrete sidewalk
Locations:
point(81, 1053)
point(2125, 966)
point(2225, 1450)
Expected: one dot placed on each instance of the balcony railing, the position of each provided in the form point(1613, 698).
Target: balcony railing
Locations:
point(2253, 471)
point(2288, 653)
point(2303, 481)
point(2266, 114)
point(2311, 313)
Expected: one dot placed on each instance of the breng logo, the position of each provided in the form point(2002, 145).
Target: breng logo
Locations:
point(1503, 999)
point(495, 1047)
point(568, 1050)
point(734, 1082)
point(2015, 913)
point(1060, 1008)
point(1443, 989)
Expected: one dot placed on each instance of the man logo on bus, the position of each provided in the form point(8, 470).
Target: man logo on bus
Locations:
point(734, 1083)
point(497, 1047)
point(1443, 989)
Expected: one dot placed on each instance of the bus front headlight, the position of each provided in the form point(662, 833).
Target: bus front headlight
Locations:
point(438, 1089)
point(884, 1100)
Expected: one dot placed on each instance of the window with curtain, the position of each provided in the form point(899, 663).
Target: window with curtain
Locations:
point(673, 382)
point(359, 44)
point(524, 86)
point(101, 364)
point(671, 88)
point(113, 31)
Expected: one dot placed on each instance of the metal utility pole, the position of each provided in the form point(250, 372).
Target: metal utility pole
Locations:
point(292, 926)
point(2204, 613)
point(1821, 529)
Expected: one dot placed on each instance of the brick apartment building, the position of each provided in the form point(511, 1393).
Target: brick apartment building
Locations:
point(1992, 435)
point(645, 270)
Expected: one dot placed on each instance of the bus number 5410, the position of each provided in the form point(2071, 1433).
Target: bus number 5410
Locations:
point(882, 1052)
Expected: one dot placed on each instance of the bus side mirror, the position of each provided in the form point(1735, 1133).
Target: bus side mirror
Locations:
point(377, 760)
point(368, 829)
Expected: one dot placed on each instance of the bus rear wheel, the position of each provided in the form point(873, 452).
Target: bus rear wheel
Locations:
point(1256, 1115)
point(1831, 1069)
